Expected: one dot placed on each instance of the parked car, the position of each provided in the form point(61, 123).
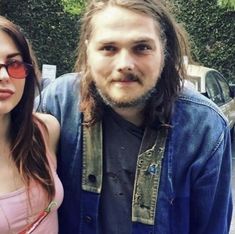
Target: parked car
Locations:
point(213, 85)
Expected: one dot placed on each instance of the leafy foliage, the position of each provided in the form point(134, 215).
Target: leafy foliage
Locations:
point(229, 4)
point(73, 6)
point(212, 33)
point(52, 32)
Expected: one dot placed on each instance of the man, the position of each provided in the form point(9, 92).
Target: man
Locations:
point(138, 152)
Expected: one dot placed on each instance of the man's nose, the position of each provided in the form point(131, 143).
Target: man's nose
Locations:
point(125, 62)
point(3, 73)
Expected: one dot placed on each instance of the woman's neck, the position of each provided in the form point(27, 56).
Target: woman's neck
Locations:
point(4, 128)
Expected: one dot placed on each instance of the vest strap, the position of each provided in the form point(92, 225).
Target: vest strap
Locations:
point(92, 158)
point(148, 174)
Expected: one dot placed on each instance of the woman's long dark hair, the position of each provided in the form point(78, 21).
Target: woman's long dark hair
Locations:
point(175, 47)
point(28, 148)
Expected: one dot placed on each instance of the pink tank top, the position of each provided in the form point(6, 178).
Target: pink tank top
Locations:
point(16, 213)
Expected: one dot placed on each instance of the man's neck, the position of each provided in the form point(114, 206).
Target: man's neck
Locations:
point(132, 114)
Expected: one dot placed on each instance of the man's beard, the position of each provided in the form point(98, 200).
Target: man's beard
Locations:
point(138, 102)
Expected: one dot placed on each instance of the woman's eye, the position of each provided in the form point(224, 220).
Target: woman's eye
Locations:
point(12, 60)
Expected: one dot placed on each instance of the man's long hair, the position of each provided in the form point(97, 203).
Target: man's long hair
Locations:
point(168, 86)
point(27, 144)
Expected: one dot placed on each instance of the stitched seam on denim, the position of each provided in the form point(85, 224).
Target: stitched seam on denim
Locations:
point(219, 142)
point(43, 104)
point(169, 153)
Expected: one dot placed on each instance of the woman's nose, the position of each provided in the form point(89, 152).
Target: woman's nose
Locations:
point(3, 73)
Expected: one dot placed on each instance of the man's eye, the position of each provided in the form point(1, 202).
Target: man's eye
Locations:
point(109, 48)
point(142, 48)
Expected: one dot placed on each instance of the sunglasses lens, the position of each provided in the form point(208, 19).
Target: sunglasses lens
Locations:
point(17, 70)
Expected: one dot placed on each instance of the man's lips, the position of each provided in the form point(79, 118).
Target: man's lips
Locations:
point(126, 79)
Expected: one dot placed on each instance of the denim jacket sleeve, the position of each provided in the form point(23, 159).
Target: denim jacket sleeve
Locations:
point(201, 166)
point(211, 200)
point(57, 95)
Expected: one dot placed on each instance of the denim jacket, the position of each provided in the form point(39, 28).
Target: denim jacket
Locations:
point(194, 194)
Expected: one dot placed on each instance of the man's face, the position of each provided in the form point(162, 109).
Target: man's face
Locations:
point(125, 56)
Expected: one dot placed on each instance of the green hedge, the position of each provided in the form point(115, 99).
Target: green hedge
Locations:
point(212, 31)
point(54, 32)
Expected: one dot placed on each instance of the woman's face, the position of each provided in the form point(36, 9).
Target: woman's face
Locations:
point(11, 89)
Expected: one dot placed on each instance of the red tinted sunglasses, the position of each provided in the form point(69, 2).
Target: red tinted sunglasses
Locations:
point(17, 69)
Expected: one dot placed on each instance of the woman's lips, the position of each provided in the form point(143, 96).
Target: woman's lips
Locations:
point(5, 94)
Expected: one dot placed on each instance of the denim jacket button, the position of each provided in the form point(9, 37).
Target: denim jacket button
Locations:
point(88, 219)
point(92, 178)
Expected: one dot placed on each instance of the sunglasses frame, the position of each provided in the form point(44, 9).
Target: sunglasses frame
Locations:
point(27, 68)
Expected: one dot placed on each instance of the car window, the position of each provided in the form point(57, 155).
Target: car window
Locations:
point(213, 89)
point(224, 86)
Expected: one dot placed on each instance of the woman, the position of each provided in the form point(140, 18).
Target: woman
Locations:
point(30, 191)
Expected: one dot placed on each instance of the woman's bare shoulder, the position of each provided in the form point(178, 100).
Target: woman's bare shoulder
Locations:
point(53, 128)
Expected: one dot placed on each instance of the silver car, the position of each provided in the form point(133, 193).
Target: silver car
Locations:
point(212, 84)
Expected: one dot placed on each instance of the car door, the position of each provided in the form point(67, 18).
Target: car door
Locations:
point(213, 89)
point(218, 91)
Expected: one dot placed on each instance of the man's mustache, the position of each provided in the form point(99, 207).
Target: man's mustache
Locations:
point(126, 77)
